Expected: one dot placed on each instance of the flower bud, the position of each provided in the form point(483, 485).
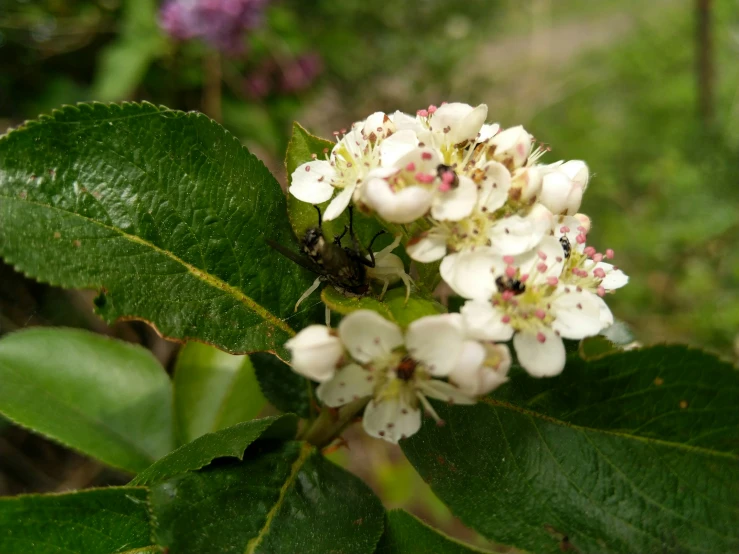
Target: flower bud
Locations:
point(512, 146)
point(555, 190)
point(315, 352)
point(526, 183)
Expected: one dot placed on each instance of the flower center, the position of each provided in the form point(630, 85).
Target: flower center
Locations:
point(406, 368)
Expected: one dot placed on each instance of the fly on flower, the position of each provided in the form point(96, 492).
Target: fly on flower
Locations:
point(346, 268)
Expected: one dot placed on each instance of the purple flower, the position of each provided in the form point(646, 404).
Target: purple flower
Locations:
point(220, 23)
point(301, 72)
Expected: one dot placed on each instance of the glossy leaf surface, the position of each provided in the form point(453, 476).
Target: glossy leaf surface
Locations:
point(632, 452)
point(106, 398)
point(98, 521)
point(282, 498)
point(393, 306)
point(406, 534)
point(229, 442)
point(286, 390)
point(163, 212)
point(213, 390)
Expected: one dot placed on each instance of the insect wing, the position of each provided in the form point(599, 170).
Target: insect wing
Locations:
point(299, 259)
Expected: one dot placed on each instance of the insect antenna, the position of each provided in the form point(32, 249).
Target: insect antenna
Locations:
point(320, 218)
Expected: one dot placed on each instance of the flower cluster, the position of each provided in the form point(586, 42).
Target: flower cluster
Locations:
point(504, 227)
point(220, 23)
point(370, 357)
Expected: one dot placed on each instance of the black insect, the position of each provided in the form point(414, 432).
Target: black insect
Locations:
point(566, 246)
point(344, 267)
point(443, 169)
point(509, 284)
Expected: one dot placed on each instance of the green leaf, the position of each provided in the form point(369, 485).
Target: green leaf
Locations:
point(96, 521)
point(161, 211)
point(283, 498)
point(229, 442)
point(394, 306)
point(103, 397)
point(213, 390)
point(285, 389)
point(123, 64)
point(406, 534)
point(634, 452)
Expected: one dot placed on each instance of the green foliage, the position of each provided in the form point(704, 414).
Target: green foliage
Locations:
point(663, 191)
point(634, 452)
point(286, 390)
point(279, 499)
point(103, 397)
point(124, 63)
point(163, 212)
point(405, 534)
point(231, 442)
point(102, 521)
point(393, 307)
point(213, 390)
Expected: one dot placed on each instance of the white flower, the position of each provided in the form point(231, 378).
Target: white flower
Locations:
point(399, 372)
point(563, 185)
point(584, 267)
point(478, 380)
point(419, 184)
point(315, 352)
point(512, 147)
point(455, 123)
point(354, 156)
point(533, 306)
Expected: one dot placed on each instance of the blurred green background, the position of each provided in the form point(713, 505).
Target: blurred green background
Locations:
point(646, 92)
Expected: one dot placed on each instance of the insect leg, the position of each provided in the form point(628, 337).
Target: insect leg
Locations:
point(337, 240)
point(371, 262)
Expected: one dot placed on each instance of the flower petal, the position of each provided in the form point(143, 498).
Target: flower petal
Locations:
point(315, 352)
point(428, 248)
point(339, 203)
point(488, 131)
point(368, 336)
point(377, 126)
point(396, 146)
point(516, 235)
point(391, 419)
point(512, 146)
point(487, 375)
point(549, 252)
point(405, 206)
point(494, 187)
point(351, 382)
point(311, 182)
point(436, 340)
point(456, 203)
point(457, 121)
point(577, 170)
point(555, 189)
point(614, 279)
point(540, 358)
point(471, 274)
point(483, 321)
point(446, 392)
point(577, 314)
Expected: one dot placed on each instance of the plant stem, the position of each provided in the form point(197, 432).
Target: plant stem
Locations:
point(704, 60)
point(212, 86)
point(331, 423)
